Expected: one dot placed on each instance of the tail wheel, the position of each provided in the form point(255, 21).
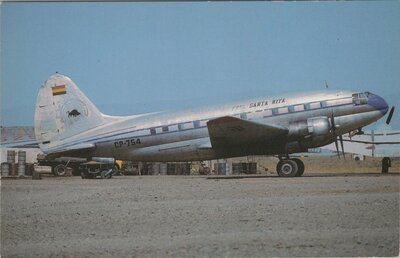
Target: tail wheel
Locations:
point(60, 170)
point(287, 168)
point(300, 165)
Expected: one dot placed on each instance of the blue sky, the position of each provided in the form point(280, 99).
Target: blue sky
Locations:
point(141, 57)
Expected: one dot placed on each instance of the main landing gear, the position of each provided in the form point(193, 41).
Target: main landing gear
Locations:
point(290, 167)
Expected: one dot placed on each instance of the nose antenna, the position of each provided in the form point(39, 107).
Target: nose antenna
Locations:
point(389, 118)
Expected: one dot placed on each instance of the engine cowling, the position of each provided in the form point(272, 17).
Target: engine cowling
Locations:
point(313, 132)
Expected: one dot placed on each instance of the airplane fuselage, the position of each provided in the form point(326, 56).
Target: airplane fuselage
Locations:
point(184, 136)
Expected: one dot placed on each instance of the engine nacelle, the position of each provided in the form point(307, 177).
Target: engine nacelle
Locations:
point(313, 132)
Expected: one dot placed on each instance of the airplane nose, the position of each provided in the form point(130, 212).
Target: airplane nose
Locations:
point(378, 103)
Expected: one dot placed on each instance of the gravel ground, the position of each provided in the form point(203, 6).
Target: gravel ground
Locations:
point(189, 216)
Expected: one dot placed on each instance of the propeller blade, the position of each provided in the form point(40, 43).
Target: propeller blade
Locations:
point(337, 147)
point(390, 115)
point(341, 144)
point(333, 122)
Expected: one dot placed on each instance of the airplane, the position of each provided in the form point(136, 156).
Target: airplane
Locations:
point(67, 123)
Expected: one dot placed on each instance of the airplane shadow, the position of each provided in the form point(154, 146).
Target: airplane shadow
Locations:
point(371, 174)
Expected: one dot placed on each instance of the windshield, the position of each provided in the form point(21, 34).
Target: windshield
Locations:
point(360, 98)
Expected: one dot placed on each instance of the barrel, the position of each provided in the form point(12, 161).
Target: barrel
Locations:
point(13, 169)
point(188, 168)
point(220, 168)
point(21, 163)
point(182, 168)
point(11, 157)
point(228, 169)
point(151, 169)
point(147, 168)
point(163, 168)
point(140, 168)
point(252, 168)
point(29, 169)
point(5, 169)
point(244, 167)
point(236, 168)
point(155, 168)
point(171, 168)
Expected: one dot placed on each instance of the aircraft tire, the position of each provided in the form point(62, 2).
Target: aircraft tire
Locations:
point(278, 166)
point(300, 165)
point(60, 170)
point(287, 168)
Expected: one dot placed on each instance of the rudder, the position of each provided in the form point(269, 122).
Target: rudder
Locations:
point(62, 111)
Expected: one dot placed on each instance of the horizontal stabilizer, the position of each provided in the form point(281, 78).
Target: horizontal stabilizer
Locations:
point(229, 131)
point(78, 150)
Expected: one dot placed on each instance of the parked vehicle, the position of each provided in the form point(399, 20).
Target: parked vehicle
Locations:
point(93, 169)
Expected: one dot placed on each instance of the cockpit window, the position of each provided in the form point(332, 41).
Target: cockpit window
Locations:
point(360, 98)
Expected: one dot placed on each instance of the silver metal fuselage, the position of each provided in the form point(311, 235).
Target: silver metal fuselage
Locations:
point(184, 136)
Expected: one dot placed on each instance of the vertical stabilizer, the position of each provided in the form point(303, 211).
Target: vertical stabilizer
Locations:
point(62, 111)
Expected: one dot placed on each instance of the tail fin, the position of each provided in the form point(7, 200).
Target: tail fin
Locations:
point(62, 111)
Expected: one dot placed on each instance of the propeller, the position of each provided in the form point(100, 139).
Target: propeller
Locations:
point(390, 115)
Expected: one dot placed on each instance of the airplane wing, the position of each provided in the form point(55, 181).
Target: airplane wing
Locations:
point(229, 131)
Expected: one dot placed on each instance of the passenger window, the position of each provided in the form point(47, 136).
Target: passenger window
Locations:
point(313, 105)
point(152, 131)
point(267, 112)
point(181, 127)
point(299, 107)
point(173, 128)
point(243, 115)
point(196, 124)
point(165, 129)
point(189, 125)
point(275, 111)
point(283, 110)
point(330, 103)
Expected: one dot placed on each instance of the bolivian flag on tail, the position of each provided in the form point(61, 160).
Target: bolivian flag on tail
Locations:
point(58, 90)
